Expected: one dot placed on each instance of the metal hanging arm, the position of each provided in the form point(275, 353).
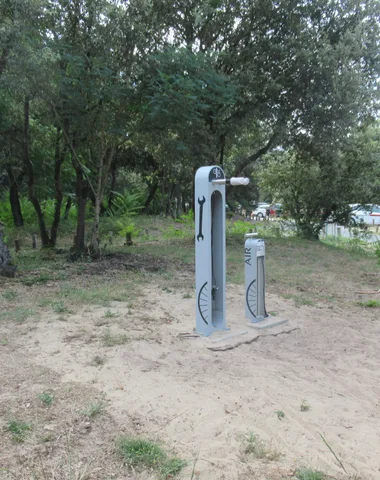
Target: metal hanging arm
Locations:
point(232, 181)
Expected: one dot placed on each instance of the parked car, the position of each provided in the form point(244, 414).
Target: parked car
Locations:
point(368, 214)
point(260, 211)
point(276, 210)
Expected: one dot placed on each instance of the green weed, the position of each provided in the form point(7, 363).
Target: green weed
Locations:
point(10, 295)
point(140, 453)
point(18, 430)
point(175, 232)
point(370, 304)
point(95, 296)
point(301, 301)
point(144, 454)
point(172, 467)
point(97, 361)
point(254, 446)
point(280, 414)
point(18, 314)
point(94, 409)
point(46, 398)
point(304, 406)
point(110, 340)
point(42, 278)
point(308, 474)
point(109, 314)
point(59, 307)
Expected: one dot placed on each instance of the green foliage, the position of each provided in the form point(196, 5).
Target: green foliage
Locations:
point(280, 414)
point(377, 251)
point(254, 446)
point(94, 409)
point(126, 226)
point(239, 228)
point(187, 218)
point(19, 430)
point(201, 93)
point(140, 453)
point(309, 474)
point(172, 232)
point(110, 340)
point(46, 398)
point(10, 295)
point(144, 454)
point(370, 304)
point(171, 467)
point(19, 314)
point(127, 203)
point(29, 214)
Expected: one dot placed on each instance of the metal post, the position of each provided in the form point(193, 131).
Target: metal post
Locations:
point(254, 257)
point(210, 248)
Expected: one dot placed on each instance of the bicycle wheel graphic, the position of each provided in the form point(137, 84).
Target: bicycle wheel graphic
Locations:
point(203, 302)
point(251, 298)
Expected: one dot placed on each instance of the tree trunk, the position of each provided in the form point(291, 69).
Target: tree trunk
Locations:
point(30, 171)
point(105, 161)
point(58, 161)
point(14, 199)
point(169, 204)
point(151, 195)
point(113, 186)
point(69, 202)
point(81, 191)
point(6, 267)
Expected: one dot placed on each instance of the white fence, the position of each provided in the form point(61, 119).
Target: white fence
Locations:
point(335, 230)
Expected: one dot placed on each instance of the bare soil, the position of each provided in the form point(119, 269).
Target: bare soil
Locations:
point(200, 403)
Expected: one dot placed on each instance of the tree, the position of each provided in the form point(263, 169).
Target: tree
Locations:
point(314, 191)
point(6, 267)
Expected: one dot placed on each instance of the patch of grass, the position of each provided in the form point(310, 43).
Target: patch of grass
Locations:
point(97, 361)
point(186, 295)
point(254, 446)
point(93, 296)
point(370, 304)
point(94, 409)
point(309, 474)
point(109, 314)
point(47, 438)
point(3, 342)
point(280, 414)
point(302, 300)
point(46, 398)
point(18, 430)
point(19, 314)
point(143, 454)
point(110, 340)
point(139, 453)
point(172, 467)
point(10, 295)
point(59, 307)
point(44, 302)
point(304, 406)
point(41, 278)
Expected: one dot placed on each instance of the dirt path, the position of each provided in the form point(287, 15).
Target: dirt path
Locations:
point(201, 402)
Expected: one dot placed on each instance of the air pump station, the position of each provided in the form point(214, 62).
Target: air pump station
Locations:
point(210, 251)
point(254, 257)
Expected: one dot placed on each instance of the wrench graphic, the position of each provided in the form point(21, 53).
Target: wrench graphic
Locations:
point(201, 202)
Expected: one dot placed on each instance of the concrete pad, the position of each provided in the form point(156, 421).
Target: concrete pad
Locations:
point(269, 322)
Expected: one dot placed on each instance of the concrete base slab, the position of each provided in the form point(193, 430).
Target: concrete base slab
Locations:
point(269, 322)
point(270, 327)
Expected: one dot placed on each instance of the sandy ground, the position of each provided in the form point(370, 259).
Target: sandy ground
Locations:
point(198, 401)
